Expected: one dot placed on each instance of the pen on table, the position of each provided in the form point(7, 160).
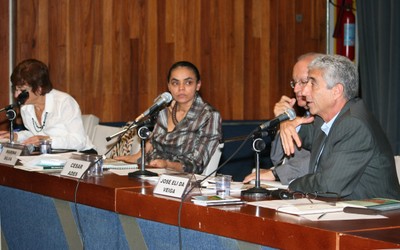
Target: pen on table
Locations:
point(322, 215)
point(53, 167)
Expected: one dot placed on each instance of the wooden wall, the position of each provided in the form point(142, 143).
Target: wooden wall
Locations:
point(4, 59)
point(113, 56)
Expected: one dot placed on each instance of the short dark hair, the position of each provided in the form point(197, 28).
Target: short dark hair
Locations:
point(186, 64)
point(34, 73)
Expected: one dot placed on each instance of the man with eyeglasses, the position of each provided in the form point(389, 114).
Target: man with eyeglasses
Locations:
point(288, 168)
point(350, 154)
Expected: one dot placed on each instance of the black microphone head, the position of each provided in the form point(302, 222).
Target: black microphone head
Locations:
point(22, 97)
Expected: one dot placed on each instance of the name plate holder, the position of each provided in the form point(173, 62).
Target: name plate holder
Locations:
point(171, 185)
point(75, 168)
point(9, 154)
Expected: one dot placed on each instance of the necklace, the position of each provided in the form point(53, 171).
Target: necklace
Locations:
point(36, 126)
point(174, 109)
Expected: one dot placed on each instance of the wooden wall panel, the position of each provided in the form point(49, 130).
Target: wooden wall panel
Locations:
point(4, 60)
point(113, 55)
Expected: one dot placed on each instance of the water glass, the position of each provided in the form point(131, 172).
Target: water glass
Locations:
point(45, 146)
point(223, 185)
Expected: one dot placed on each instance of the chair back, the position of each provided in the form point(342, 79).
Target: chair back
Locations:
point(214, 161)
point(101, 132)
point(397, 162)
point(89, 123)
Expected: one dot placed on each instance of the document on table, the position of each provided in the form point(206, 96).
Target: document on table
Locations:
point(313, 210)
point(44, 162)
point(341, 216)
point(114, 164)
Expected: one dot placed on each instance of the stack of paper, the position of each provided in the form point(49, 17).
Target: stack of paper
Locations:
point(114, 164)
point(43, 162)
point(215, 200)
point(299, 206)
point(314, 210)
point(379, 204)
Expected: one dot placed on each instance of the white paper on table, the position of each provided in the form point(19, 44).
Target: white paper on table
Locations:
point(298, 206)
point(341, 216)
point(38, 162)
point(328, 215)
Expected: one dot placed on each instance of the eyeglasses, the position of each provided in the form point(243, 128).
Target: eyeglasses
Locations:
point(288, 195)
point(302, 82)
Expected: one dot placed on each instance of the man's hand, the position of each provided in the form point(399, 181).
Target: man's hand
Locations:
point(158, 163)
point(265, 174)
point(284, 104)
point(172, 165)
point(289, 135)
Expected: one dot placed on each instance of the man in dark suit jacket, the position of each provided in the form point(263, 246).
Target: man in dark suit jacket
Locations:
point(350, 154)
point(290, 167)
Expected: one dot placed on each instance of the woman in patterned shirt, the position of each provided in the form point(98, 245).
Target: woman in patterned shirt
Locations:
point(188, 131)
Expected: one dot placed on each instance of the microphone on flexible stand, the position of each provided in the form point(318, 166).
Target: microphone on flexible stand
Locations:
point(11, 114)
point(145, 122)
point(7, 108)
point(258, 145)
point(289, 114)
point(21, 99)
point(162, 100)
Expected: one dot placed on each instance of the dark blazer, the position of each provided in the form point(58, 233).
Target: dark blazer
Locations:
point(357, 160)
point(293, 166)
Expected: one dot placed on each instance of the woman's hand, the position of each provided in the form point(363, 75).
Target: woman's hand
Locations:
point(35, 140)
point(6, 135)
point(127, 158)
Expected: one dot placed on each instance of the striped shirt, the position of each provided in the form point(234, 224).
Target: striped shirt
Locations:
point(193, 140)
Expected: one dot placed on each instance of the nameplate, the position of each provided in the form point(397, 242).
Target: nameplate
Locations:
point(9, 156)
point(171, 185)
point(75, 168)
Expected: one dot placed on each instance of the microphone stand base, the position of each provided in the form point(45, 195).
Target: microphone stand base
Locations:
point(141, 173)
point(256, 193)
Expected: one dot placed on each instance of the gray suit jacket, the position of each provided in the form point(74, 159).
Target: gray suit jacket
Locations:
point(292, 167)
point(357, 160)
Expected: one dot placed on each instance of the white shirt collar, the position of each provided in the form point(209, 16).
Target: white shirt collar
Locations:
point(326, 127)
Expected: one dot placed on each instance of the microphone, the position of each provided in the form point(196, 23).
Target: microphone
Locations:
point(21, 99)
point(133, 125)
point(7, 108)
point(159, 102)
point(289, 114)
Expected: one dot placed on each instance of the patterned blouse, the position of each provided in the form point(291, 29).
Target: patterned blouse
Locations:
point(193, 140)
point(124, 145)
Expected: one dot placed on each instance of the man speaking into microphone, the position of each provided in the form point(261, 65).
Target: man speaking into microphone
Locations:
point(287, 168)
point(188, 131)
point(351, 156)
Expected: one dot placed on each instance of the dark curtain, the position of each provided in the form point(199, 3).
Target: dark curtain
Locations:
point(379, 62)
